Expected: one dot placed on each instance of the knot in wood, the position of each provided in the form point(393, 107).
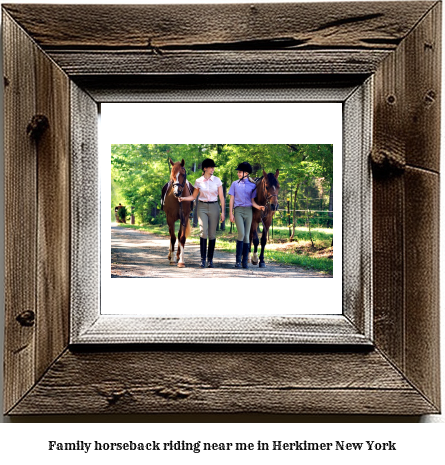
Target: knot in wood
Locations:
point(172, 393)
point(387, 163)
point(114, 397)
point(430, 97)
point(37, 126)
point(26, 318)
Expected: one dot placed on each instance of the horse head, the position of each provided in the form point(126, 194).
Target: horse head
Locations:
point(271, 189)
point(178, 176)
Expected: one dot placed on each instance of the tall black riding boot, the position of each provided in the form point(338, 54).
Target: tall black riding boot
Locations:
point(245, 253)
point(212, 243)
point(203, 248)
point(239, 252)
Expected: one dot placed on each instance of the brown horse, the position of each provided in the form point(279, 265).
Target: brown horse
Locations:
point(267, 195)
point(175, 210)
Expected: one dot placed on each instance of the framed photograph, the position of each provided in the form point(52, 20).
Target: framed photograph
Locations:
point(265, 121)
point(363, 341)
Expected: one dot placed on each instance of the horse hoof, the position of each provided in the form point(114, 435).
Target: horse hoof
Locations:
point(181, 265)
point(172, 263)
point(262, 265)
point(254, 263)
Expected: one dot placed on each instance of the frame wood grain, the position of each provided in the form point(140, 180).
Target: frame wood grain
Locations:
point(90, 323)
point(68, 59)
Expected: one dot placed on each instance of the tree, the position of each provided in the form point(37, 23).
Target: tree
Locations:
point(306, 162)
point(139, 171)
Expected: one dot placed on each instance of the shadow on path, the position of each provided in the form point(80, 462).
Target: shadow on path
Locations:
point(140, 254)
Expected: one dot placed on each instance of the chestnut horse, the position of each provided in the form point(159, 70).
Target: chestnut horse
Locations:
point(267, 195)
point(175, 210)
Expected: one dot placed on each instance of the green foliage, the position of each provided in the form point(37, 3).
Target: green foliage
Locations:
point(140, 170)
point(304, 261)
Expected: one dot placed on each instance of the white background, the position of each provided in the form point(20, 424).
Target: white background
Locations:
point(26, 443)
point(235, 123)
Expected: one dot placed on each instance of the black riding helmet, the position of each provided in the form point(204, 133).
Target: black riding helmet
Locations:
point(245, 167)
point(208, 163)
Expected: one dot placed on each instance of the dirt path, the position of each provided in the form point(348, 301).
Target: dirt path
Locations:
point(139, 254)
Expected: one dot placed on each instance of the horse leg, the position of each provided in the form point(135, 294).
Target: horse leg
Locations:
point(256, 241)
point(178, 253)
point(181, 245)
point(171, 252)
point(263, 245)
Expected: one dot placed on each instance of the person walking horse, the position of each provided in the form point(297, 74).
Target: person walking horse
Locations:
point(242, 194)
point(209, 188)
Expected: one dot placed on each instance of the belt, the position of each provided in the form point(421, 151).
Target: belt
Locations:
point(202, 201)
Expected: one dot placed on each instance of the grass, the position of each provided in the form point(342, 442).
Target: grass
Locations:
point(279, 250)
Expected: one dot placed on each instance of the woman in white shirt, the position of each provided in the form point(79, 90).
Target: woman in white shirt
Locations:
point(209, 188)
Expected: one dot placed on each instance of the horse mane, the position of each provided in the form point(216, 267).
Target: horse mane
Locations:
point(273, 181)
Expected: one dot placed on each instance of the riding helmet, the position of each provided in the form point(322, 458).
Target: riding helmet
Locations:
point(208, 163)
point(245, 167)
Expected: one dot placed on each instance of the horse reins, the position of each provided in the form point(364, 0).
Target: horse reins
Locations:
point(265, 212)
point(181, 214)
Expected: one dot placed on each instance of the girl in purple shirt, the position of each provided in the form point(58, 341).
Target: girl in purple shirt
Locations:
point(242, 194)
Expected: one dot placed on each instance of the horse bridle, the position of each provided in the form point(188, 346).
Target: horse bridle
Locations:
point(181, 185)
point(265, 212)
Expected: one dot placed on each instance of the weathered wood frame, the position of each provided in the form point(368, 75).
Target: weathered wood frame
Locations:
point(69, 60)
point(90, 323)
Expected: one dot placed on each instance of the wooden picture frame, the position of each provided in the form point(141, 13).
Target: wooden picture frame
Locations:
point(266, 323)
point(63, 65)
